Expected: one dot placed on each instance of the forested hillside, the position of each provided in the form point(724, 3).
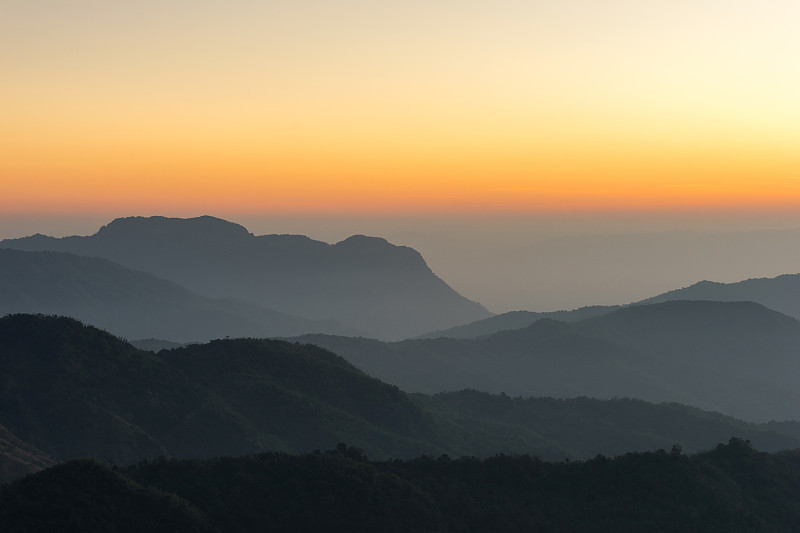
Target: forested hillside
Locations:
point(70, 390)
point(730, 488)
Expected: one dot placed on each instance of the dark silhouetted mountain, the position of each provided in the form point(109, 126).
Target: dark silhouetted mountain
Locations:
point(70, 390)
point(130, 303)
point(517, 320)
point(741, 358)
point(731, 487)
point(76, 391)
point(84, 495)
point(780, 294)
point(362, 282)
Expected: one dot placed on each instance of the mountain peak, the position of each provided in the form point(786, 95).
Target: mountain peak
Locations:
point(205, 226)
point(365, 283)
point(363, 241)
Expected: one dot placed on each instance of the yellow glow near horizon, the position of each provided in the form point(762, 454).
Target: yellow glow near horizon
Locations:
point(310, 107)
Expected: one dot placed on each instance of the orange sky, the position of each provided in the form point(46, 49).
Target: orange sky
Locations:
point(402, 107)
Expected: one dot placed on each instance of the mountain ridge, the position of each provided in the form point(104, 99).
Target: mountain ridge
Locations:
point(738, 358)
point(780, 293)
point(131, 303)
point(365, 283)
point(70, 390)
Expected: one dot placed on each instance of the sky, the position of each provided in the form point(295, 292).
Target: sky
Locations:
point(398, 107)
point(316, 117)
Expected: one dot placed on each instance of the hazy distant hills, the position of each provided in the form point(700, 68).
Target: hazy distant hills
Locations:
point(130, 303)
point(365, 283)
point(738, 358)
point(781, 294)
point(517, 320)
point(70, 390)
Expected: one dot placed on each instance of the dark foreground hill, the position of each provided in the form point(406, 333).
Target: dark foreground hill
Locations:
point(365, 283)
point(75, 391)
point(133, 304)
point(731, 488)
point(738, 358)
point(68, 390)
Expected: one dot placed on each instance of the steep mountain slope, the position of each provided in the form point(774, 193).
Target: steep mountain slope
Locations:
point(781, 293)
point(18, 457)
point(130, 303)
point(738, 358)
point(365, 283)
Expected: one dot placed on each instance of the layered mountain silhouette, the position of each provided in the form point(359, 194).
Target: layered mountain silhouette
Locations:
point(364, 283)
point(75, 391)
point(781, 294)
point(70, 390)
point(133, 304)
point(517, 320)
point(738, 358)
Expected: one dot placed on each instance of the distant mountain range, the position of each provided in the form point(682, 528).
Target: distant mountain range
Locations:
point(70, 390)
point(517, 320)
point(781, 294)
point(363, 283)
point(134, 304)
point(738, 358)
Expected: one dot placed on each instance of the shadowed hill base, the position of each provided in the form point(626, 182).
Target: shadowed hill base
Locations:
point(781, 294)
point(729, 488)
point(84, 495)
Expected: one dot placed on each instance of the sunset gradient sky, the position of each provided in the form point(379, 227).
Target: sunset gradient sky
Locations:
point(417, 107)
